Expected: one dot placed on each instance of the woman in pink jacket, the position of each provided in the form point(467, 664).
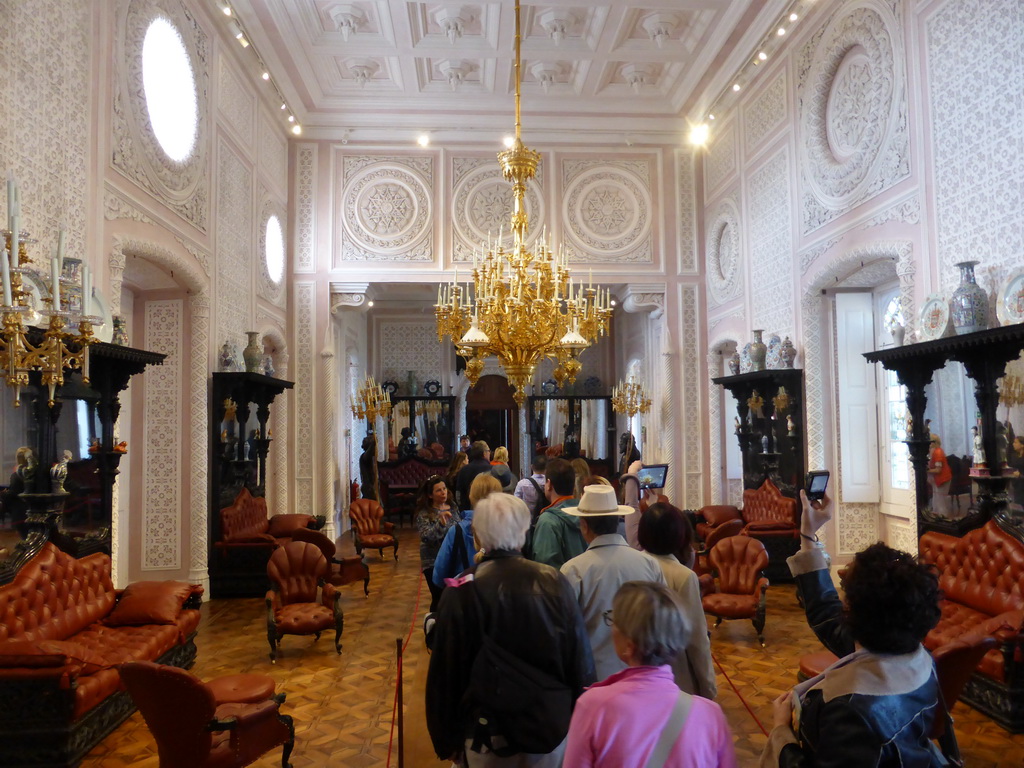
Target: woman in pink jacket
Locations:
point(638, 717)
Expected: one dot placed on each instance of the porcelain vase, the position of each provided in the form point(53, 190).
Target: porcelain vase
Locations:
point(758, 351)
point(120, 335)
point(787, 353)
point(253, 353)
point(734, 364)
point(226, 358)
point(970, 302)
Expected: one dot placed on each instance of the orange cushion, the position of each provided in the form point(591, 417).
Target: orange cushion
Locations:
point(150, 602)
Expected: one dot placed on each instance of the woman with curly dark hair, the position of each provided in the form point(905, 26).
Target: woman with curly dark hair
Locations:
point(875, 706)
point(434, 516)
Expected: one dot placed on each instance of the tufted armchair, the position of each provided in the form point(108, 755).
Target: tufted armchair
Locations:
point(296, 571)
point(981, 576)
point(199, 724)
point(369, 529)
point(343, 570)
point(702, 563)
point(713, 516)
point(741, 589)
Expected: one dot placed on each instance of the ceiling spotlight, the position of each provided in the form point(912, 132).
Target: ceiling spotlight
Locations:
point(699, 134)
point(508, 141)
point(711, 117)
point(224, 7)
point(284, 106)
point(735, 86)
point(762, 56)
point(266, 75)
point(614, 303)
point(780, 31)
point(793, 17)
point(291, 118)
point(369, 303)
point(424, 140)
point(297, 129)
point(243, 42)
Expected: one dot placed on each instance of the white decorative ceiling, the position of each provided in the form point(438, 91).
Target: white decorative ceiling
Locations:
point(373, 71)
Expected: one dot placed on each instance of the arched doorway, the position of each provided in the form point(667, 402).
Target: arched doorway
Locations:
point(492, 415)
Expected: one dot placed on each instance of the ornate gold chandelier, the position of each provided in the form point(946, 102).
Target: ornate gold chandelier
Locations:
point(59, 349)
point(630, 398)
point(524, 307)
point(371, 401)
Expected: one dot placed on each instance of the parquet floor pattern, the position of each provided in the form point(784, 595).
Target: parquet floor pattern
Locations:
point(343, 705)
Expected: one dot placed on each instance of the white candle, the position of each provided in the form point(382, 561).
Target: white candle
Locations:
point(10, 195)
point(55, 283)
point(15, 228)
point(61, 237)
point(5, 274)
point(86, 291)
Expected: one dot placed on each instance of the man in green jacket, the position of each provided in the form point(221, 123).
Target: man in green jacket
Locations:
point(556, 535)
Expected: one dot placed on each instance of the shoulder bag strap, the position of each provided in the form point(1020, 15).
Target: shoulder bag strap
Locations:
point(671, 730)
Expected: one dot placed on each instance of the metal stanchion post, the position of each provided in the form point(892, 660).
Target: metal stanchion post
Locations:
point(401, 714)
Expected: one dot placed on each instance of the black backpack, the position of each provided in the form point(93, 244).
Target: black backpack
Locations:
point(522, 709)
point(541, 502)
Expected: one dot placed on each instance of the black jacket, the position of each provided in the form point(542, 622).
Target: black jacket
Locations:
point(877, 710)
point(465, 479)
point(529, 610)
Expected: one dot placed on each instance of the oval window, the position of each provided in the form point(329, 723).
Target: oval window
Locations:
point(170, 89)
point(274, 255)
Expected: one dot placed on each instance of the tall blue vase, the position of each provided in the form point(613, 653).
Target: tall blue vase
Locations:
point(970, 302)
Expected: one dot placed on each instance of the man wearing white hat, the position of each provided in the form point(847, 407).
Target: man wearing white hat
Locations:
point(607, 564)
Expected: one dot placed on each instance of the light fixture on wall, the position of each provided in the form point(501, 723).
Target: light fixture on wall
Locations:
point(60, 349)
point(524, 306)
point(630, 398)
point(768, 45)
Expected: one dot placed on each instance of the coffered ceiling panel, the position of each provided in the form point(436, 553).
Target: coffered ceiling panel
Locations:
point(391, 65)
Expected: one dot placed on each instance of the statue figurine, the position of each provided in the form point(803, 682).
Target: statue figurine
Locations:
point(737, 419)
point(121, 447)
point(979, 451)
point(790, 426)
point(59, 473)
point(764, 444)
point(95, 446)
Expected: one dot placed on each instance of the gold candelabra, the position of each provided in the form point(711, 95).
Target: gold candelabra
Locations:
point(371, 401)
point(59, 350)
point(524, 306)
point(630, 398)
point(1011, 391)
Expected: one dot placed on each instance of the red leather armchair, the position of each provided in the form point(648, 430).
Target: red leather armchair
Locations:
point(296, 571)
point(714, 516)
point(344, 570)
point(740, 592)
point(196, 728)
point(369, 529)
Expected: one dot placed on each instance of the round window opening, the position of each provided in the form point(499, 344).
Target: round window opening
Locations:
point(170, 89)
point(274, 249)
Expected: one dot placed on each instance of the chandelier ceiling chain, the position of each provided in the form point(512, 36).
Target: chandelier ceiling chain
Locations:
point(523, 306)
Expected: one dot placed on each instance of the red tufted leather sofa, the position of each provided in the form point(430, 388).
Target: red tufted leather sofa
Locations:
point(59, 641)
point(400, 480)
point(769, 517)
point(246, 523)
point(982, 579)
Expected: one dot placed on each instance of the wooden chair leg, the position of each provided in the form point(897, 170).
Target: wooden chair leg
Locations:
point(290, 744)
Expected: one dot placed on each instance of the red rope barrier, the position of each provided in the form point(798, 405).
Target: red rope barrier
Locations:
point(736, 691)
point(398, 672)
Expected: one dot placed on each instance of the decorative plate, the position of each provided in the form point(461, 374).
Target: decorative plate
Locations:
point(549, 387)
point(390, 387)
point(432, 387)
point(745, 358)
point(1010, 306)
point(591, 385)
point(773, 358)
point(936, 322)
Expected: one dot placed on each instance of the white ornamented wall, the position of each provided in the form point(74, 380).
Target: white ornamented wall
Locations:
point(976, 113)
point(44, 115)
point(161, 516)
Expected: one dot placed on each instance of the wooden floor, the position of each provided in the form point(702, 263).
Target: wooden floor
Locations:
point(343, 705)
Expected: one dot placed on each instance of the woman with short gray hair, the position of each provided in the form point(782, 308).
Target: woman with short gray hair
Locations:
point(639, 716)
point(511, 613)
